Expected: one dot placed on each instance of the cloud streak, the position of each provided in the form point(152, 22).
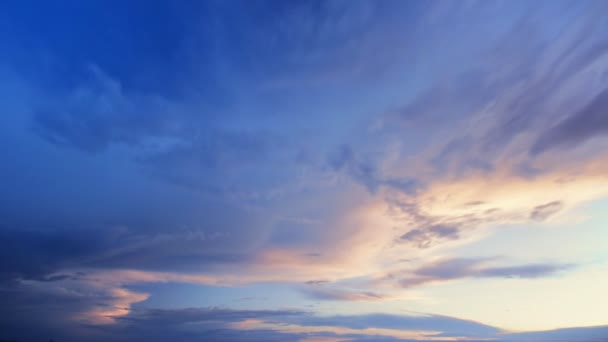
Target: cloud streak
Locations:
point(343, 295)
point(590, 122)
point(454, 269)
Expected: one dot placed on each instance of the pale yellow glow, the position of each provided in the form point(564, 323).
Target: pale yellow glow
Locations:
point(573, 300)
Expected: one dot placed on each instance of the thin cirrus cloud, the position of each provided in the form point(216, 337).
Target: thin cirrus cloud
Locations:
point(590, 122)
point(454, 269)
point(342, 295)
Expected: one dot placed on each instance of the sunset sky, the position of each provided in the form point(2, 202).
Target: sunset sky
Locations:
point(314, 171)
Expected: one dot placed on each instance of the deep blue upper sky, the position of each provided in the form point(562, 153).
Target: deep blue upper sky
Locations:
point(303, 170)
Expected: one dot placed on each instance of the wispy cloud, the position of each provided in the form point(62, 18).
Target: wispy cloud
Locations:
point(322, 293)
point(453, 269)
point(590, 122)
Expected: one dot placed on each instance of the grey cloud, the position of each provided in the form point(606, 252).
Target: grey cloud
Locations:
point(317, 282)
point(325, 293)
point(523, 271)
point(590, 122)
point(449, 269)
point(544, 211)
point(61, 277)
point(474, 203)
point(461, 268)
point(426, 237)
point(429, 230)
point(190, 315)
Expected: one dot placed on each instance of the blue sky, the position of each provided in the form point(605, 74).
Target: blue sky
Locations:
point(303, 170)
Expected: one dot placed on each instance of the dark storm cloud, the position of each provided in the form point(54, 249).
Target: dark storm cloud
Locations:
point(460, 268)
point(589, 123)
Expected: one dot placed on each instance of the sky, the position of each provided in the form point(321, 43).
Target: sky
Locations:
point(313, 171)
